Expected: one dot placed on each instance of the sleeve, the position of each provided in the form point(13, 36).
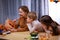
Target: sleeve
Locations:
point(37, 27)
point(32, 27)
point(29, 27)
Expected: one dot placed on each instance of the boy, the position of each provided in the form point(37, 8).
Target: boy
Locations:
point(33, 23)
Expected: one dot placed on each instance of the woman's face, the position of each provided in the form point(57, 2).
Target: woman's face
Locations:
point(21, 13)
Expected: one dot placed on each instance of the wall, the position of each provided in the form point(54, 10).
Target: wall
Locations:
point(54, 11)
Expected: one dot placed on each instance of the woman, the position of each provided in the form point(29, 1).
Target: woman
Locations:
point(23, 11)
point(21, 22)
point(49, 24)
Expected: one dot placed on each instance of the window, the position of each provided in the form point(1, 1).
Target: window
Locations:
point(54, 11)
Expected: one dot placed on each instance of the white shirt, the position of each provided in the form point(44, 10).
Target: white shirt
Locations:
point(34, 25)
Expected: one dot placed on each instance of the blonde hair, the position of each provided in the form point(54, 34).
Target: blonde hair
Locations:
point(32, 15)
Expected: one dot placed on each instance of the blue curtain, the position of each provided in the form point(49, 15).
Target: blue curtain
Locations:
point(41, 7)
point(9, 8)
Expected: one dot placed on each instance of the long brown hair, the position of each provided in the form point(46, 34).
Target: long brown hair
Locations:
point(47, 20)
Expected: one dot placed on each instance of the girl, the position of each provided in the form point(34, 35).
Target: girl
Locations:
point(49, 24)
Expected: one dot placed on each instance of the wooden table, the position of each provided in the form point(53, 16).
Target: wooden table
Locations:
point(17, 36)
point(52, 37)
point(23, 36)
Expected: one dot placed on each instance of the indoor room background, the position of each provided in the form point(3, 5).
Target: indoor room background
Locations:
point(9, 8)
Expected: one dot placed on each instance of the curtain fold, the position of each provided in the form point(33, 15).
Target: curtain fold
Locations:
point(40, 7)
point(8, 9)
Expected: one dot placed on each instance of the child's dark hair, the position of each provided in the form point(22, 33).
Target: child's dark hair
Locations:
point(47, 20)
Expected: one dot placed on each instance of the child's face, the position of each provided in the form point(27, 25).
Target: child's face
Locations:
point(29, 20)
point(44, 26)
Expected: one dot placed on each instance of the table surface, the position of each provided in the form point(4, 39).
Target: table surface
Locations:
point(17, 36)
point(23, 36)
